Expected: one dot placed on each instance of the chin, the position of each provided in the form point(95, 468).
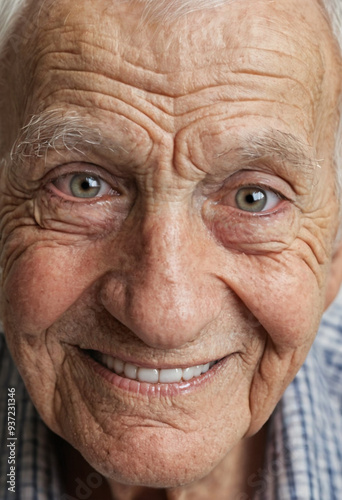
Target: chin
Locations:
point(160, 465)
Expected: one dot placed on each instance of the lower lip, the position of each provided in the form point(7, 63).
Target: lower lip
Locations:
point(156, 390)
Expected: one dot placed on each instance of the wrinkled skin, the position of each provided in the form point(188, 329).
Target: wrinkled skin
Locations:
point(164, 268)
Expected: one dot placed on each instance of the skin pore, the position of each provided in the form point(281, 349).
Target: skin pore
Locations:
point(170, 264)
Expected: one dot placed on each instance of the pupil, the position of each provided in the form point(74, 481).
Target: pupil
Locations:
point(85, 185)
point(253, 197)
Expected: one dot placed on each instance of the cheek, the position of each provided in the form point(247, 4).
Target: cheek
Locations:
point(284, 294)
point(285, 297)
point(39, 287)
point(293, 308)
point(42, 284)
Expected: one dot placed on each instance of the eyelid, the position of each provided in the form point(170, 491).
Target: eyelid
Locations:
point(261, 179)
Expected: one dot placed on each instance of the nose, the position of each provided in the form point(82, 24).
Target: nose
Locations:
point(164, 291)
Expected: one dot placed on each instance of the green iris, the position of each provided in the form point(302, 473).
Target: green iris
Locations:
point(251, 199)
point(84, 186)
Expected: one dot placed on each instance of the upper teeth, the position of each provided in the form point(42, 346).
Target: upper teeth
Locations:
point(153, 375)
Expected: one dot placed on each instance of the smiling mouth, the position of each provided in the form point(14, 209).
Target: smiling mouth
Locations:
point(150, 375)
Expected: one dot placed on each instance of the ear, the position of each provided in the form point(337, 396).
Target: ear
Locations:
point(335, 276)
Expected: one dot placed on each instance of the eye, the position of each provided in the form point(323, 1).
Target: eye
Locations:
point(255, 199)
point(82, 185)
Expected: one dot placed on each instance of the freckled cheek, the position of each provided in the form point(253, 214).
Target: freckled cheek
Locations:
point(41, 285)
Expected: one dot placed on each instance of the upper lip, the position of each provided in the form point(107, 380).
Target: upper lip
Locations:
point(154, 363)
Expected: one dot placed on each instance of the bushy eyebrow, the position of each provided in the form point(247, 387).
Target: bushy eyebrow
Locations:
point(54, 130)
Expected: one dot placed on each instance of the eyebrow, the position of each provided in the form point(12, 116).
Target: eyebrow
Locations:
point(276, 145)
point(58, 130)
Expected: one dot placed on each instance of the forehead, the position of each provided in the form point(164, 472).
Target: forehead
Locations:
point(228, 35)
point(236, 48)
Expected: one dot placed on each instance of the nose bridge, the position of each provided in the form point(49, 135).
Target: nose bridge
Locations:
point(166, 245)
point(166, 295)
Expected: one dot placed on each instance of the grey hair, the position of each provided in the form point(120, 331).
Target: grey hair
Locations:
point(168, 10)
point(10, 11)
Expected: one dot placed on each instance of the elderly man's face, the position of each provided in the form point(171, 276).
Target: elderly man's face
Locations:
point(198, 229)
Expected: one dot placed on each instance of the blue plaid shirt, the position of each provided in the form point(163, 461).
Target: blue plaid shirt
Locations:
point(304, 450)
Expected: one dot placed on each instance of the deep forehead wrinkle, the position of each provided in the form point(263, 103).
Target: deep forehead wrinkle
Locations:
point(205, 39)
point(52, 130)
